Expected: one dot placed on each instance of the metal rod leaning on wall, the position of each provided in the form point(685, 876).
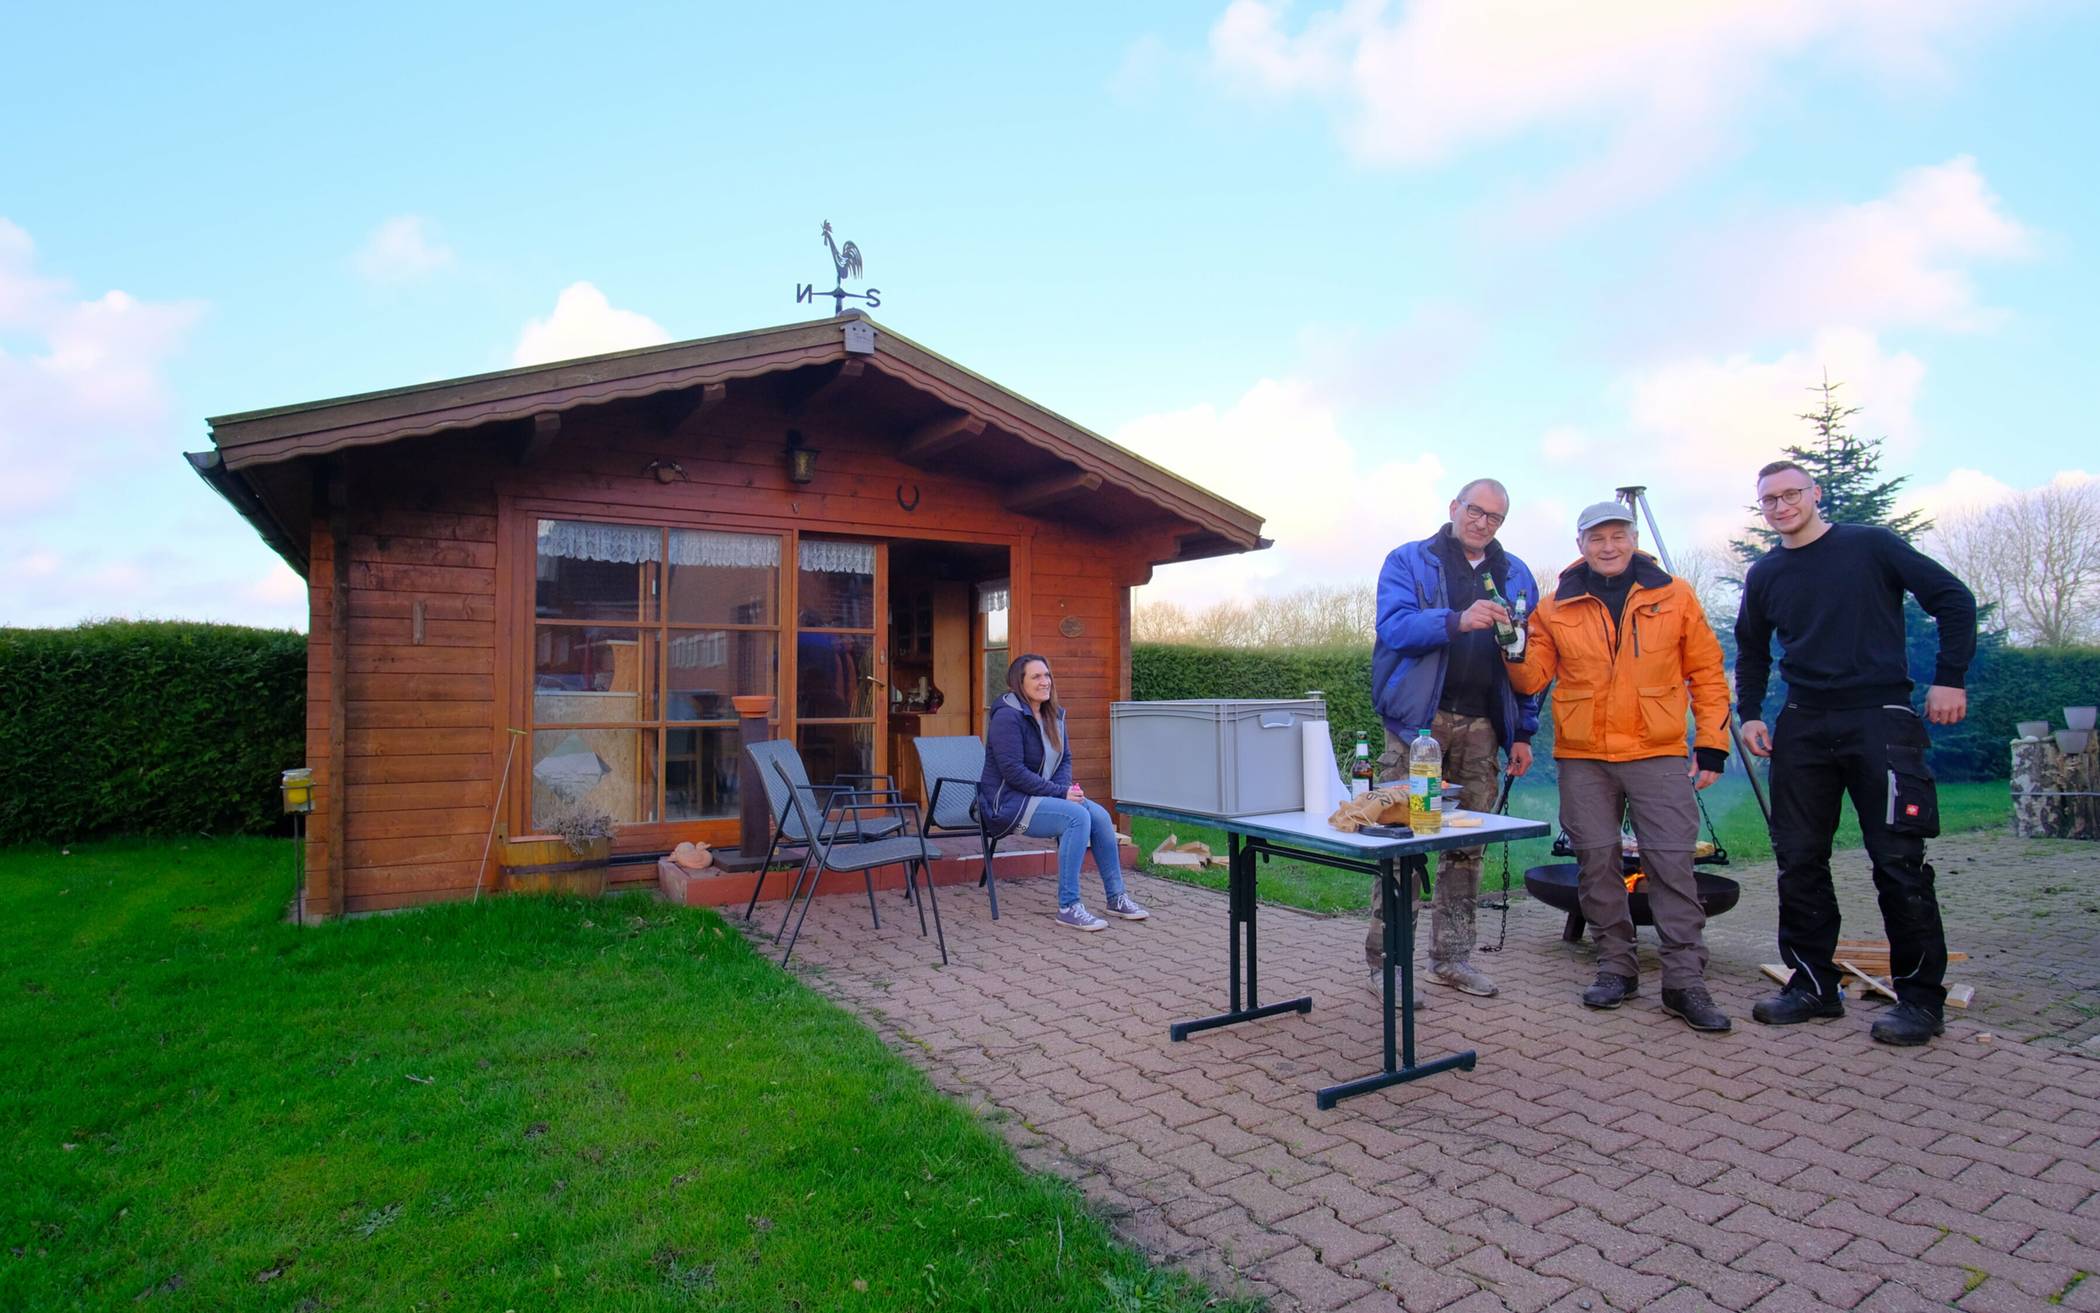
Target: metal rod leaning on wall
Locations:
point(1635, 495)
point(496, 810)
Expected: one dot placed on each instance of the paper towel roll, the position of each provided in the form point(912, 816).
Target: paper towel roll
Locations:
point(1324, 790)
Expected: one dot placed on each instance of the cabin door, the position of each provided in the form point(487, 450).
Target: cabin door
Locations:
point(842, 689)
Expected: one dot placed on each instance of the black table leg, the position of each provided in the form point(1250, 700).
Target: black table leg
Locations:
point(1239, 898)
point(1400, 1066)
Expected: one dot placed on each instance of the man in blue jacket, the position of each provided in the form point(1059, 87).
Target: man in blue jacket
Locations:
point(1436, 665)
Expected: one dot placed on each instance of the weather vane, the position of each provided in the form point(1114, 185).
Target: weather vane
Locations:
point(846, 260)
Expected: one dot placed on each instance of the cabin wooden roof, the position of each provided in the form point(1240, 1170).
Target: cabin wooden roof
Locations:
point(938, 410)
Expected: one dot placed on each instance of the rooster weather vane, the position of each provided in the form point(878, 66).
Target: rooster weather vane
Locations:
point(846, 260)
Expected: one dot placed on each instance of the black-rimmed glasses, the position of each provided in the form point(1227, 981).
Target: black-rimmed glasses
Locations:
point(1489, 518)
point(1771, 501)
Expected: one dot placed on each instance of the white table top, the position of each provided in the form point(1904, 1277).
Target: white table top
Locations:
point(1311, 830)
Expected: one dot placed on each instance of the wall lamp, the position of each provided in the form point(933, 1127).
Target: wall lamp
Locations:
point(801, 458)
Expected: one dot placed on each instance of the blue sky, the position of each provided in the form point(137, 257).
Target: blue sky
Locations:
point(1330, 260)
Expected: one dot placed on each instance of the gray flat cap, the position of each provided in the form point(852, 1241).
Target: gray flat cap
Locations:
point(1603, 512)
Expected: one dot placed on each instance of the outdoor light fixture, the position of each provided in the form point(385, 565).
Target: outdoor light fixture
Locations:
point(298, 788)
point(802, 460)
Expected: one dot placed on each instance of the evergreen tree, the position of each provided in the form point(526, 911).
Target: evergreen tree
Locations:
point(1847, 468)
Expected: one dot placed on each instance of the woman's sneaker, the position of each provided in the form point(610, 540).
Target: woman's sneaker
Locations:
point(1076, 916)
point(1123, 905)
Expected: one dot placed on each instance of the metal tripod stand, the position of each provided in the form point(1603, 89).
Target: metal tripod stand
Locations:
point(1635, 496)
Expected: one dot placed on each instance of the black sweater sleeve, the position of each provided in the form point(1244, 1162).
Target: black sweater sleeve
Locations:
point(1946, 599)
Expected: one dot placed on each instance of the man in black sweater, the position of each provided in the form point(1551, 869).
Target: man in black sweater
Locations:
point(1833, 593)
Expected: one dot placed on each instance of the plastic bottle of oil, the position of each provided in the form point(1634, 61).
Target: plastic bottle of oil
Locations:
point(1425, 785)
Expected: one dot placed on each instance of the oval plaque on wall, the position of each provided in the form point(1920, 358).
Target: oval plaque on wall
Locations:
point(1071, 627)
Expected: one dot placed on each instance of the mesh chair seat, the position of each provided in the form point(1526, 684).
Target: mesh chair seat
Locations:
point(777, 758)
point(958, 759)
point(953, 764)
point(833, 850)
point(879, 852)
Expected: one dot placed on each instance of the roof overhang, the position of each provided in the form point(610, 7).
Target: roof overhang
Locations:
point(255, 450)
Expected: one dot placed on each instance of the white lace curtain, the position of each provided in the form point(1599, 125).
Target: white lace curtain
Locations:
point(726, 550)
point(619, 544)
point(990, 600)
point(836, 558)
point(632, 544)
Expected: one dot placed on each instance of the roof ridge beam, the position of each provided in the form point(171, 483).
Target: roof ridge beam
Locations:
point(1044, 493)
point(940, 436)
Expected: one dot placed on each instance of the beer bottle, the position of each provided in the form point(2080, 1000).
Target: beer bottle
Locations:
point(1361, 774)
point(1515, 651)
point(1505, 632)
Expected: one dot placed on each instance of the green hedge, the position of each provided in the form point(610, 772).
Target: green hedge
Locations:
point(147, 727)
point(1163, 671)
point(2007, 685)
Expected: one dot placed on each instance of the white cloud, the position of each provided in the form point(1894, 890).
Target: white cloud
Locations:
point(403, 249)
point(1972, 490)
point(584, 323)
point(233, 581)
point(1280, 452)
point(103, 516)
point(1697, 428)
point(1657, 81)
point(1899, 260)
point(85, 389)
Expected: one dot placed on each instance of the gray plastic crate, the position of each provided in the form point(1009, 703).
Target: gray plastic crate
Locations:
point(1212, 756)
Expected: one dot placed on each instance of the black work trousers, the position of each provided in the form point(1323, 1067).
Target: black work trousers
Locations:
point(1818, 757)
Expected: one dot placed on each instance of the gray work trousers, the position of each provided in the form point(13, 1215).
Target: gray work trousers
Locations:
point(1594, 795)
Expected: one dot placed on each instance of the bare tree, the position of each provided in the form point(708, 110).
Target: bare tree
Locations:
point(2036, 556)
point(1319, 615)
point(1715, 577)
point(1160, 622)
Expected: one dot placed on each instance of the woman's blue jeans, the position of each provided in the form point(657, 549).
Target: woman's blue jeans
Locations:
point(1078, 826)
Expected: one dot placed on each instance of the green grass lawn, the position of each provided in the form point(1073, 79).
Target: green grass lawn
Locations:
point(1963, 806)
point(525, 1104)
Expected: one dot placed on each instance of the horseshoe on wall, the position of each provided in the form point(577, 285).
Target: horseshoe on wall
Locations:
point(911, 505)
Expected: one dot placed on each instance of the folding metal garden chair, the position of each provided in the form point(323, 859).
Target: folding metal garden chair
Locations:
point(780, 768)
point(828, 817)
point(952, 766)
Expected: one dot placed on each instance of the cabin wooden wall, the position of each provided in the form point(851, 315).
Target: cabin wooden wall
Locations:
point(420, 776)
point(424, 524)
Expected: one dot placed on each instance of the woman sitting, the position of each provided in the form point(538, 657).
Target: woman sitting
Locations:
point(1027, 787)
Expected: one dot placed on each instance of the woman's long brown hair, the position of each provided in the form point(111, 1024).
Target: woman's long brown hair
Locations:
point(1047, 715)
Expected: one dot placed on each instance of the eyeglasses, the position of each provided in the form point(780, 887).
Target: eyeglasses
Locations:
point(1489, 518)
point(1770, 501)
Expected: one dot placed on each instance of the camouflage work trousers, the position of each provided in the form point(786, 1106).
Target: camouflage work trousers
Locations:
point(1471, 761)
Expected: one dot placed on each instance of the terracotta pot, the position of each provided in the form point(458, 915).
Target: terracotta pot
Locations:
point(551, 866)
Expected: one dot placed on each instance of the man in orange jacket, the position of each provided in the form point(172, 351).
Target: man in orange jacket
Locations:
point(1632, 648)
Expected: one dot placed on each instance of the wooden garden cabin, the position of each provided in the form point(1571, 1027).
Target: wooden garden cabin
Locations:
point(601, 553)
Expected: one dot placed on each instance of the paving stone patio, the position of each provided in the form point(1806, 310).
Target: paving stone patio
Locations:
point(1592, 1161)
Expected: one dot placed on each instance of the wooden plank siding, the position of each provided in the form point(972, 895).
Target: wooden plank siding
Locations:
point(444, 523)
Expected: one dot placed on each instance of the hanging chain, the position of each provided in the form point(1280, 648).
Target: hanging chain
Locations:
point(1502, 809)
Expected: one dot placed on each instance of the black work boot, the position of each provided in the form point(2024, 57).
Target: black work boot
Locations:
point(1791, 1005)
point(1907, 1024)
point(1610, 990)
point(1697, 1008)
